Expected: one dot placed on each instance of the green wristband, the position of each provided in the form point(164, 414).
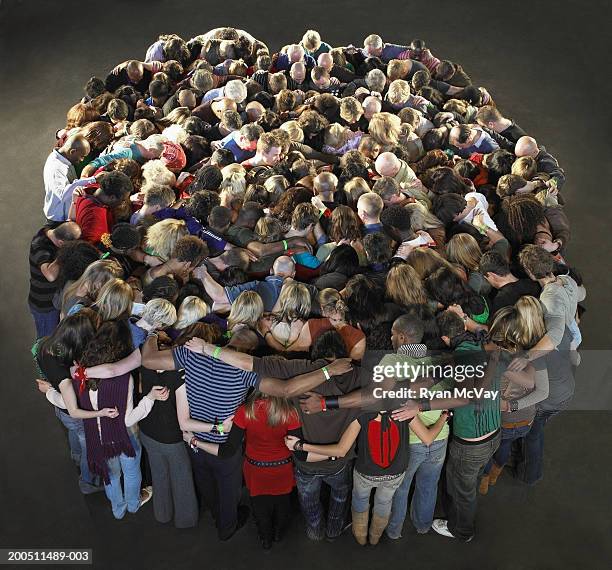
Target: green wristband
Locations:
point(285, 244)
point(216, 352)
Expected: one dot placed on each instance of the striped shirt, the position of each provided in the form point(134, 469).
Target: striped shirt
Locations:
point(42, 250)
point(425, 57)
point(214, 389)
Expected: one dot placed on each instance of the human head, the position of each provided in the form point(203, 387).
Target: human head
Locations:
point(247, 309)
point(284, 267)
point(331, 304)
point(320, 77)
point(163, 236)
point(305, 217)
point(191, 310)
point(311, 40)
point(114, 300)
point(295, 52)
point(494, 267)
point(537, 262)
point(404, 286)
point(191, 249)
point(329, 345)
point(297, 72)
point(385, 128)
point(377, 247)
point(293, 302)
point(464, 250)
point(75, 149)
point(447, 207)
point(369, 207)
point(66, 232)
point(114, 188)
point(451, 326)
point(399, 92)
point(373, 45)
point(526, 146)
point(396, 219)
point(388, 189)
point(406, 329)
point(371, 106)
point(268, 149)
point(344, 224)
point(387, 164)
point(135, 70)
point(526, 167)
point(159, 313)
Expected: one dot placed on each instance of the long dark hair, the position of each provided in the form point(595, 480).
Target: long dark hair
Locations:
point(69, 340)
point(343, 259)
point(446, 287)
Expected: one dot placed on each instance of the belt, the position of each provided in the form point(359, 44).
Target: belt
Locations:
point(515, 425)
point(276, 463)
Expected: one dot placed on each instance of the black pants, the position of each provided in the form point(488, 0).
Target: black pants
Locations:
point(271, 513)
point(219, 485)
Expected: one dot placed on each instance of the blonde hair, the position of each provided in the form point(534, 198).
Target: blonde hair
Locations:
point(404, 286)
point(155, 172)
point(154, 142)
point(162, 236)
point(350, 109)
point(376, 80)
point(399, 92)
point(92, 280)
point(397, 69)
point(421, 218)
point(464, 250)
point(311, 40)
point(335, 135)
point(331, 300)
point(114, 300)
point(425, 261)
point(525, 166)
point(178, 116)
point(247, 309)
point(269, 229)
point(293, 129)
point(192, 309)
point(293, 302)
point(176, 134)
point(520, 326)
point(159, 312)
point(384, 128)
point(280, 410)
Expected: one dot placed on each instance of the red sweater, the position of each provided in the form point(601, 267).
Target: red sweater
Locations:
point(93, 217)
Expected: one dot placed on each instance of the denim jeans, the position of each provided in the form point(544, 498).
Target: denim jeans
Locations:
point(126, 498)
point(466, 463)
point(502, 454)
point(424, 466)
point(88, 483)
point(45, 323)
point(383, 496)
point(530, 469)
point(309, 491)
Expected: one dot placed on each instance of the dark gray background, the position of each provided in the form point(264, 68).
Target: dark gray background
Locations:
point(546, 63)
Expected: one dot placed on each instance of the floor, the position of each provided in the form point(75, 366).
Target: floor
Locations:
point(545, 64)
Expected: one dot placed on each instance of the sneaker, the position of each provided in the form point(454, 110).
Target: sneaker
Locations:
point(146, 493)
point(441, 527)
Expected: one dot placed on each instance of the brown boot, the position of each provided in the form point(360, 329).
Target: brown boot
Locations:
point(360, 526)
point(379, 524)
point(495, 473)
point(483, 488)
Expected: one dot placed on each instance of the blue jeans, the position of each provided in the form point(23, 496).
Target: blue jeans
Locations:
point(45, 323)
point(126, 498)
point(88, 483)
point(309, 491)
point(424, 466)
point(508, 435)
point(530, 470)
point(383, 497)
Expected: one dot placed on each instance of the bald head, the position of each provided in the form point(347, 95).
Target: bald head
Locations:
point(135, 70)
point(387, 164)
point(284, 267)
point(254, 110)
point(298, 71)
point(526, 146)
point(68, 231)
point(75, 149)
point(325, 60)
point(406, 330)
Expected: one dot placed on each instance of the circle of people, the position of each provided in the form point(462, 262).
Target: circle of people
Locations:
point(229, 230)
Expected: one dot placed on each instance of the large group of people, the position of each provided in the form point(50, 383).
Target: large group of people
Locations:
point(231, 231)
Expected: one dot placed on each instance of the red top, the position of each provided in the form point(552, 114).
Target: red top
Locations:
point(350, 335)
point(94, 218)
point(266, 443)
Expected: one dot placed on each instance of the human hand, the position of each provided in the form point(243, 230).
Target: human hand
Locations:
point(160, 393)
point(406, 412)
point(108, 413)
point(188, 436)
point(310, 403)
point(517, 364)
point(456, 308)
point(228, 423)
point(290, 441)
point(196, 345)
point(43, 385)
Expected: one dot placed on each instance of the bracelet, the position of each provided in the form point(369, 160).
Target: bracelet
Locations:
point(216, 352)
point(332, 402)
point(323, 406)
point(220, 429)
point(285, 244)
point(194, 444)
point(298, 445)
point(514, 405)
point(425, 406)
point(326, 373)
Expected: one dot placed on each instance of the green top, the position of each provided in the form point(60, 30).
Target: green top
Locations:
point(482, 416)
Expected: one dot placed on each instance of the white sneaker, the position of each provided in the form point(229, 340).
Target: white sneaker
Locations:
point(441, 527)
point(146, 493)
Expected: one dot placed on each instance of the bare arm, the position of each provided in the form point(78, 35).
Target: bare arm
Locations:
point(50, 270)
point(156, 359)
point(70, 400)
point(427, 434)
point(229, 356)
point(339, 449)
point(118, 368)
point(186, 422)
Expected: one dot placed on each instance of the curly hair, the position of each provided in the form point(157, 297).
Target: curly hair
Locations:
point(201, 203)
point(73, 258)
point(283, 209)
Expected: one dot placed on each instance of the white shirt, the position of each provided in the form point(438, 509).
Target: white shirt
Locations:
point(60, 182)
point(482, 207)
